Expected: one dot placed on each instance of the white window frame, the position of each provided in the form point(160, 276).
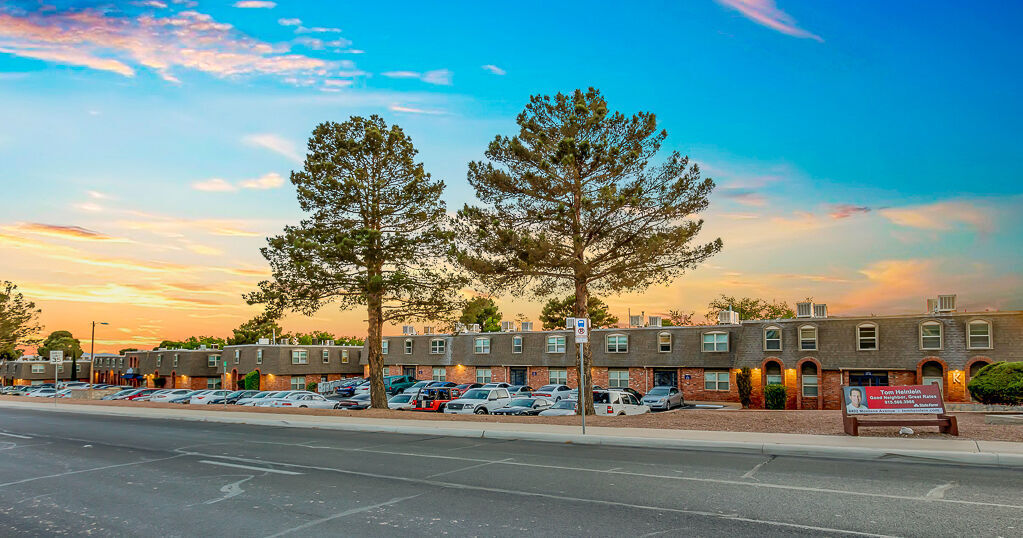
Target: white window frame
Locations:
point(941, 335)
point(38, 368)
point(805, 383)
point(556, 344)
point(778, 339)
point(617, 346)
point(344, 356)
point(299, 356)
point(969, 336)
point(661, 343)
point(211, 360)
point(301, 385)
point(516, 344)
point(408, 346)
point(176, 357)
point(259, 356)
point(159, 361)
point(484, 375)
point(237, 356)
point(802, 339)
point(714, 343)
point(561, 379)
point(385, 346)
point(617, 376)
point(481, 345)
point(717, 380)
point(440, 373)
point(326, 356)
point(438, 346)
point(860, 338)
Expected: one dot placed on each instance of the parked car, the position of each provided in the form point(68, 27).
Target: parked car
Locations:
point(664, 398)
point(347, 386)
point(149, 396)
point(302, 400)
point(403, 401)
point(124, 394)
point(520, 391)
point(525, 406)
point(467, 386)
point(45, 392)
point(139, 394)
point(117, 395)
point(231, 397)
point(496, 386)
point(434, 398)
point(615, 402)
point(64, 393)
point(440, 384)
point(257, 396)
point(205, 397)
point(269, 400)
point(169, 395)
point(630, 390)
point(480, 401)
point(393, 384)
point(417, 386)
point(359, 401)
point(562, 408)
point(553, 392)
point(184, 398)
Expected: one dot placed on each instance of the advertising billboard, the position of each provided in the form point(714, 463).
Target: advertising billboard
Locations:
point(893, 400)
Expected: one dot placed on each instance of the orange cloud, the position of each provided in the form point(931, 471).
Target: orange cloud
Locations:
point(764, 12)
point(942, 216)
point(74, 233)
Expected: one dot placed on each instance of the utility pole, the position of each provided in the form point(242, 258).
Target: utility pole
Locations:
point(92, 357)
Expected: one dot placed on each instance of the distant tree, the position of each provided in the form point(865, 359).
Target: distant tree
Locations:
point(750, 308)
point(252, 330)
point(192, 342)
point(481, 310)
point(19, 321)
point(574, 202)
point(375, 236)
point(63, 341)
point(556, 311)
point(678, 318)
point(126, 350)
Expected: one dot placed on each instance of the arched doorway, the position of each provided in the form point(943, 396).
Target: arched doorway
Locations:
point(933, 372)
point(773, 373)
point(809, 389)
point(174, 379)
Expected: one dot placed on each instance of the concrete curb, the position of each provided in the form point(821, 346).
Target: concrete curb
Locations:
point(949, 457)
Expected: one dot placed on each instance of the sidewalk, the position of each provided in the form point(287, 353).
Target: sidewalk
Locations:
point(967, 452)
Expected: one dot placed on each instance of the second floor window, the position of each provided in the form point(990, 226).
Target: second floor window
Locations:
point(38, 368)
point(408, 347)
point(664, 342)
point(808, 338)
point(259, 356)
point(326, 356)
point(930, 335)
point(299, 356)
point(866, 337)
point(237, 356)
point(772, 339)
point(437, 346)
point(211, 360)
point(383, 347)
point(482, 345)
point(715, 342)
point(555, 344)
point(175, 359)
point(980, 335)
point(159, 360)
point(344, 356)
point(516, 344)
point(617, 343)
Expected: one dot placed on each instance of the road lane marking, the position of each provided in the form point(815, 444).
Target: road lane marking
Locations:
point(938, 492)
point(249, 467)
point(233, 489)
point(15, 435)
point(342, 514)
point(753, 471)
point(16, 482)
point(469, 467)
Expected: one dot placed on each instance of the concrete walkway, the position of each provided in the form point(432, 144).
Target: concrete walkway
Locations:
point(967, 452)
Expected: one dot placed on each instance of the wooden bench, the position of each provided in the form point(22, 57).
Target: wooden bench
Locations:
point(946, 423)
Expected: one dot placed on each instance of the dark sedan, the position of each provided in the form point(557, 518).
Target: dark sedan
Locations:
point(347, 388)
point(359, 401)
point(525, 406)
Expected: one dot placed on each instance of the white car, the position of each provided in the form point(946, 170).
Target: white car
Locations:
point(560, 409)
point(495, 386)
point(270, 400)
point(149, 397)
point(479, 401)
point(553, 392)
point(301, 400)
point(204, 398)
point(168, 394)
point(414, 389)
point(46, 392)
point(403, 401)
point(616, 403)
point(251, 400)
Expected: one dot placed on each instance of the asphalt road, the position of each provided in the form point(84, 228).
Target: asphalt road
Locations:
point(66, 473)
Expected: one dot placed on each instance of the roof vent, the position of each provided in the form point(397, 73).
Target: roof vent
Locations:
point(635, 321)
point(330, 342)
point(459, 327)
point(655, 321)
point(820, 310)
point(946, 303)
point(264, 341)
point(507, 326)
point(408, 330)
point(804, 310)
point(202, 347)
point(728, 317)
point(527, 325)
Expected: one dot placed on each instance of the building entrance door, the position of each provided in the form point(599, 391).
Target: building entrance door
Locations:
point(517, 376)
point(409, 371)
point(665, 378)
point(869, 379)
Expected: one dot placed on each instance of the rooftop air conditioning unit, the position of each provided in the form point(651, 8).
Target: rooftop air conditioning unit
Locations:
point(946, 303)
point(804, 310)
point(330, 342)
point(264, 341)
point(728, 317)
point(527, 325)
point(474, 328)
point(820, 310)
point(655, 321)
point(162, 349)
point(202, 347)
point(635, 321)
point(932, 305)
point(408, 330)
point(507, 326)
point(428, 329)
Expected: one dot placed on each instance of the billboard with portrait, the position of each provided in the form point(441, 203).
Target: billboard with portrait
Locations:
point(893, 400)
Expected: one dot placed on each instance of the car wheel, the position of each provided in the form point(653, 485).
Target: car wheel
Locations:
point(558, 399)
point(480, 411)
point(303, 406)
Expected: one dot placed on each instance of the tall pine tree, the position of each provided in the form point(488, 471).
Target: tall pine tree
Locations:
point(574, 203)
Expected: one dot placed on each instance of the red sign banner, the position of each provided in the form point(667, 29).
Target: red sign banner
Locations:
point(924, 399)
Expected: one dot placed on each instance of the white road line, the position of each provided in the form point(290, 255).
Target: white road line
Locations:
point(342, 514)
point(16, 482)
point(753, 471)
point(469, 467)
point(15, 435)
point(249, 467)
point(233, 489)
point(938, 492)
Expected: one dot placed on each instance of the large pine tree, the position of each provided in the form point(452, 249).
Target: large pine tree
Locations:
point(574, 202)
point(375, 236)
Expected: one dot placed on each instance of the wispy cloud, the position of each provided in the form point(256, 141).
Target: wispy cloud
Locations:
point(942, 216)
point(765, 12)
point(271, 180)
point(255, 4)
point(413, 110)
point(438, 76)
point(74, 233)
point(289, 22)
point(844, 211)
point(214, 185)
point(747, 197)
point(494, 69)
point(276, 144)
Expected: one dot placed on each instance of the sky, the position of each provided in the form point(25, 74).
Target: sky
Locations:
point(865, 153)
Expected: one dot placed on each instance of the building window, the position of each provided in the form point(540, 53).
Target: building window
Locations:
point(481, 345)
point(772, 339)
point(516, 344)
point(437, 346)
point(440, 373)
point(323, 379)
point(60, 368)
point(211, 360)
point(212, 383)
point(930, 335)
point(558, 376)
point(809, 374)
point(808, 338)
point(326, 356)
point(237, 356)
point(484, 375)
point(715, 380)
point(617, 343)
point(980, 335)
point(38, 368)
point(175, 359)
point(78, 368)
point(772, 372)
point(383, 346)
point(298, 382)
point(664, 342)
point(555, 344)
point(408, 347)
point(344, 356)
point(259, 356)
point(717, 341)
point(120, 362)
point(299, 356)
point(618, 378)
point(866, 336)
point(159, 360)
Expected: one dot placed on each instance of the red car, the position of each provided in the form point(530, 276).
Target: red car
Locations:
point(143, 392)
point(434, 398)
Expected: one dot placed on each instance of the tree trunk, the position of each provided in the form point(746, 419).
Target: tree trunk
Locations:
point(378, 398)
point(582, 297)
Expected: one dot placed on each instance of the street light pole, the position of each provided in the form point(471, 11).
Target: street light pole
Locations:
point(92, 358)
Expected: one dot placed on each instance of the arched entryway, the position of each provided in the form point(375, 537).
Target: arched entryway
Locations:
point(174, 379)
point(932, 372)
point(809, 390)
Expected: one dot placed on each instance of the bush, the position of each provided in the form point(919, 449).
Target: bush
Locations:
point(774, 396)
point(251, 380)
point(998, 383)
point(159, 382)
point(311, 386)
point(744, 383)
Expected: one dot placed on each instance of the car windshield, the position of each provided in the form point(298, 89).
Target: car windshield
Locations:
point(659, 391)
point(401, 398)
point(476, 394)
point(549, 388)
point(236, 394)
point(361, 397)
point(261, 395)
point(522, 402)
point(564, 404)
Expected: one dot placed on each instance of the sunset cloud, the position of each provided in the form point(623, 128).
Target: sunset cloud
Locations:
point(438, 76)
point(747, 197)
point(844, 211)
point(413, 110)
point(942, 216)
point(74, 233)
point(271, 180)
point(764, 12)
point(255, 4)
point(214, 185)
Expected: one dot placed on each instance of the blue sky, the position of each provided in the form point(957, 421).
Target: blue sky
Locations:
point(866, 152)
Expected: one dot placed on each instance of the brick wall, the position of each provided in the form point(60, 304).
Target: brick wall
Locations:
point(275, 382)
point(831, 388)
point(537, 376)
point(694, 388)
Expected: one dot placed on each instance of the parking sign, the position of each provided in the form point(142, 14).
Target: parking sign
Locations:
point(56, 356)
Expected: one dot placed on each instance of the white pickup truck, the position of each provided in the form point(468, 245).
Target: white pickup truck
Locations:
point(479, 401)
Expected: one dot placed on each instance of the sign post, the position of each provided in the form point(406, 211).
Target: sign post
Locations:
point(56, 357)
point(581, 327)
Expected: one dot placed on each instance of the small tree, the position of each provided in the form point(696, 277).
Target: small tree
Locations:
point(63, 341)
point(750, 308)
point(678, 318)
point(744, 384)
point(159, 382)
point(774, 396)
point(252, 330)
point(251, 380)
point(311, 386)
point(19, 321)
point(1000, 383)
point(556, 311)
point(483, 311)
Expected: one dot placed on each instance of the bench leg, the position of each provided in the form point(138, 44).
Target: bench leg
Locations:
point(852, 426)
point(953, 426)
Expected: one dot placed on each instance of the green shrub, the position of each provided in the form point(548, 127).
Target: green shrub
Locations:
point(251, 380)
point(998, 383)
point(744, 383)
point(311, 386)
point(159, 382)
point(774, 396)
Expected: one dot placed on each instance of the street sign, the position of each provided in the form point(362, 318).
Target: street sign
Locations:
point(56, 356)
point(582, 330)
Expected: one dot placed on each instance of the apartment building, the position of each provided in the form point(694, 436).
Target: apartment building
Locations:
point(36, 370)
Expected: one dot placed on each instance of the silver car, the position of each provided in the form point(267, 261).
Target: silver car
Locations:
point(403, 401)
point(303, 400)
point(560, 409)
point(663, 398)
